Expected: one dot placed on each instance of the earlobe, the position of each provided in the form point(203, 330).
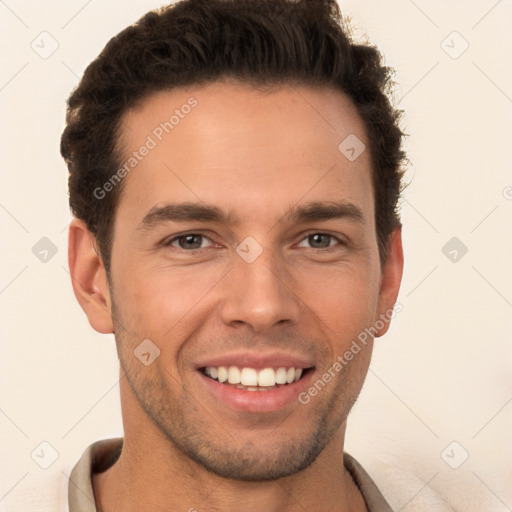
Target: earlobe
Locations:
point(391, 277)
point(89, 278)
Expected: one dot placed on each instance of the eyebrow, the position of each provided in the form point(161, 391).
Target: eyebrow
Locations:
point(188, 212)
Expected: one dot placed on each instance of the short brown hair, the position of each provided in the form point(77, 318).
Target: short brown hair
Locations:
point(259, 42)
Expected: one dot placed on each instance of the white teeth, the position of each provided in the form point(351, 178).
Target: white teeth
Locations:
point(267, 377)
point(281, 376)
point(233, 375)
point(251, 379)
point(223, 373)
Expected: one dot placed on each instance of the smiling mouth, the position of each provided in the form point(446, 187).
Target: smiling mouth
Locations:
point(252, 379)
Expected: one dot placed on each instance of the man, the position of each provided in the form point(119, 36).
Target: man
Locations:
point(235, 168)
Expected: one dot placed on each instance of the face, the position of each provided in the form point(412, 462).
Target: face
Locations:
point(245, 243)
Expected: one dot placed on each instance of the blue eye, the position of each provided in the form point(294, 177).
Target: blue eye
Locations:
point(190, 241)
point(319, 241)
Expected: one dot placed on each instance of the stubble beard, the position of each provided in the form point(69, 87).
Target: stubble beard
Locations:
point(184, 422)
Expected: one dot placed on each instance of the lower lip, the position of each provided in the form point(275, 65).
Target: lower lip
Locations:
point(257, 401)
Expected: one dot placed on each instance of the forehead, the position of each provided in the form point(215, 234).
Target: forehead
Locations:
point(244, 149)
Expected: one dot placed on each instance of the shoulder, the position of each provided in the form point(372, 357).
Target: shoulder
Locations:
point(401, 488)
point(49, 490)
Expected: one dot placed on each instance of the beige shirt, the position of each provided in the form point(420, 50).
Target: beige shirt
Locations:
point(101, 455)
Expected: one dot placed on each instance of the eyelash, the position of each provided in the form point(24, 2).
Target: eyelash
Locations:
point(305, 237)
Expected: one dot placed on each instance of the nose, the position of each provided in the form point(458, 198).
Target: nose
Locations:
point(259, 294)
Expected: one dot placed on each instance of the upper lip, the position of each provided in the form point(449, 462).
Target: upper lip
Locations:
point(257, 360)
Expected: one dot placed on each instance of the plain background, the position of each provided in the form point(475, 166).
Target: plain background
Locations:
point(442, 374)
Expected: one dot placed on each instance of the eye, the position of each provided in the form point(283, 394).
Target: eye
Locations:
point(320, 241)
point(189, 241)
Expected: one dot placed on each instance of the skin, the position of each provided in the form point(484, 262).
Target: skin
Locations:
point(255, 154)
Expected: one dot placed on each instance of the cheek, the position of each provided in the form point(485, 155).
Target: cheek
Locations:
point(345, 298)
point(157, 299)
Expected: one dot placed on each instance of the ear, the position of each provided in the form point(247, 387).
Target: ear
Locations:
point(391, 277)
point(89, 278)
